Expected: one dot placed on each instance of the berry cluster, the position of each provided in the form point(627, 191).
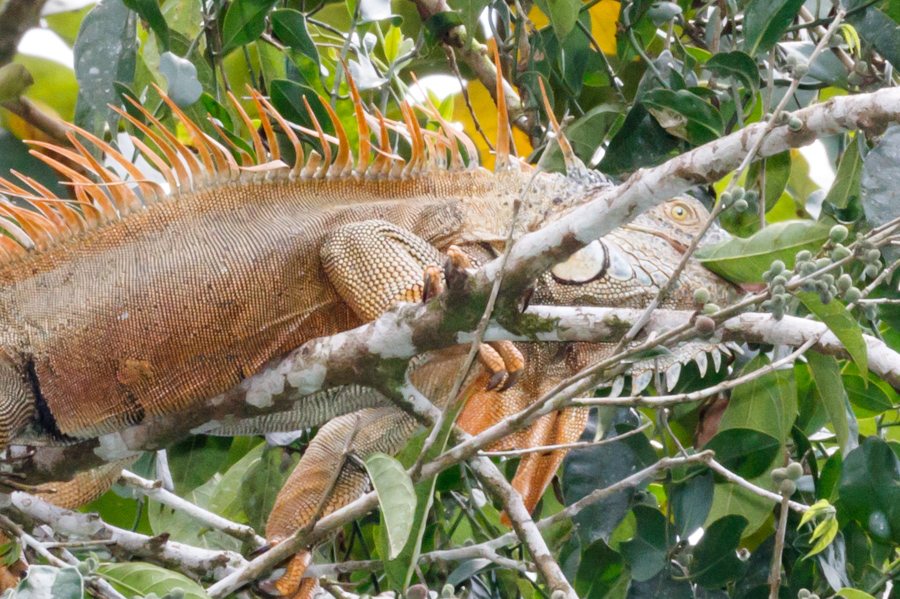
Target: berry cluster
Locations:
point(786, 478)
point(739, 198)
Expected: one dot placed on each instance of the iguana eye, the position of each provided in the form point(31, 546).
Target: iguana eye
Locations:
point(586, 265)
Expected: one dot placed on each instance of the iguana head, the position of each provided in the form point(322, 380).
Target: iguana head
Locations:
point(678, 221)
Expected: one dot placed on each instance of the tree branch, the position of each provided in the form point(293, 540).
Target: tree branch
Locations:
point(16, 18)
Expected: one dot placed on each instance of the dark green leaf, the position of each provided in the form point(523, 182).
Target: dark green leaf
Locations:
point(138, 578)
point(149, 11)
point(827, 375)
point(563, 15)
point(646, 552)
point(291, 28)
point(639, 142)
point(869, 397)
point(691, 501)
point(765, 21)
point(591, 468)
point(661, 586)
point(439, 25)
point(827, 485)
point(195, 460)
point(261, 484)
point(715, 561)
point(870, 488)
point(287, 97)
point(244, 22)
point(736, 64)
point(598, 571)
point(105, 52)
point(744, 260)
point(685, 115)
point(844, 327)
point(878, 29)
point(767, 404)
point(396, 497)
point(745, 452)
point(846, 181)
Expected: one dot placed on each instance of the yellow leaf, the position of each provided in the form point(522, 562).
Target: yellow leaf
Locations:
point(604, 15)
point(486, 112)
point(825, 532)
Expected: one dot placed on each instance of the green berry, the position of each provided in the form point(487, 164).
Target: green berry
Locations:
point(766, 305)
point(788, 487)
point(710, 309)
point(778, 313)
point(777, 290)
point(777, 267)
point(861, 67)
point(726, 198)
point(871, 271)
point(821, 286)
point(803, 594)
point(741, 205)
point(558, 594)
point(872, 256)
point(701, 296)
point(779, 280)
point(823, 263)
point(795, 124)
point(826, 297)
point(792, 59)
point(866, 244)
point(767, 276)
point(778, 475)
point(838, 233)
point(175, 593)
point(852, 295)
point(839, 253)
point(706, 326)
point(794, 470)
point(808, 287)
point(800, 71)
point(752, 196)
point(844, 282)
point(448, 591)
point(803, 256)
point(738, 193)
point(829, 279)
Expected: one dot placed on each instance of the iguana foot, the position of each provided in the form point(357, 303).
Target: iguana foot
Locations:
point(433, 283)
point(292, 584)
point(505, 363)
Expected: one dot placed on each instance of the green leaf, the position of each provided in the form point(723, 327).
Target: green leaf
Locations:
point(590, 468)
point(844, 327)
point(685, 115)
point(869, 490)
point(105, 52)
point(744, 260)
point(823, 534)
point(195, 460)
point(875, 27)
point(767, 404)
point(691, 501)
point(563, 15)
point(396, 496)
point(261, 484)
point(290, 26)
point(765, 21)
point(822, 506)
point(226, 497)
point(49, 581)
point(139, 578)
point(244, 22)
point(854, 594)
point(846, 181)
point(715, 561)
point(646, 552)
point(868, 397)
point(827, 375)
point(736, 64)
point(745, 452)
point(150, 12)
point(183, 528)
point(598, 571)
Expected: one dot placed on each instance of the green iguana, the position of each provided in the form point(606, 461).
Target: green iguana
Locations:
point(130, 303)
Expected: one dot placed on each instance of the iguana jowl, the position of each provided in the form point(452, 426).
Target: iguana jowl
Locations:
point(122, 305)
